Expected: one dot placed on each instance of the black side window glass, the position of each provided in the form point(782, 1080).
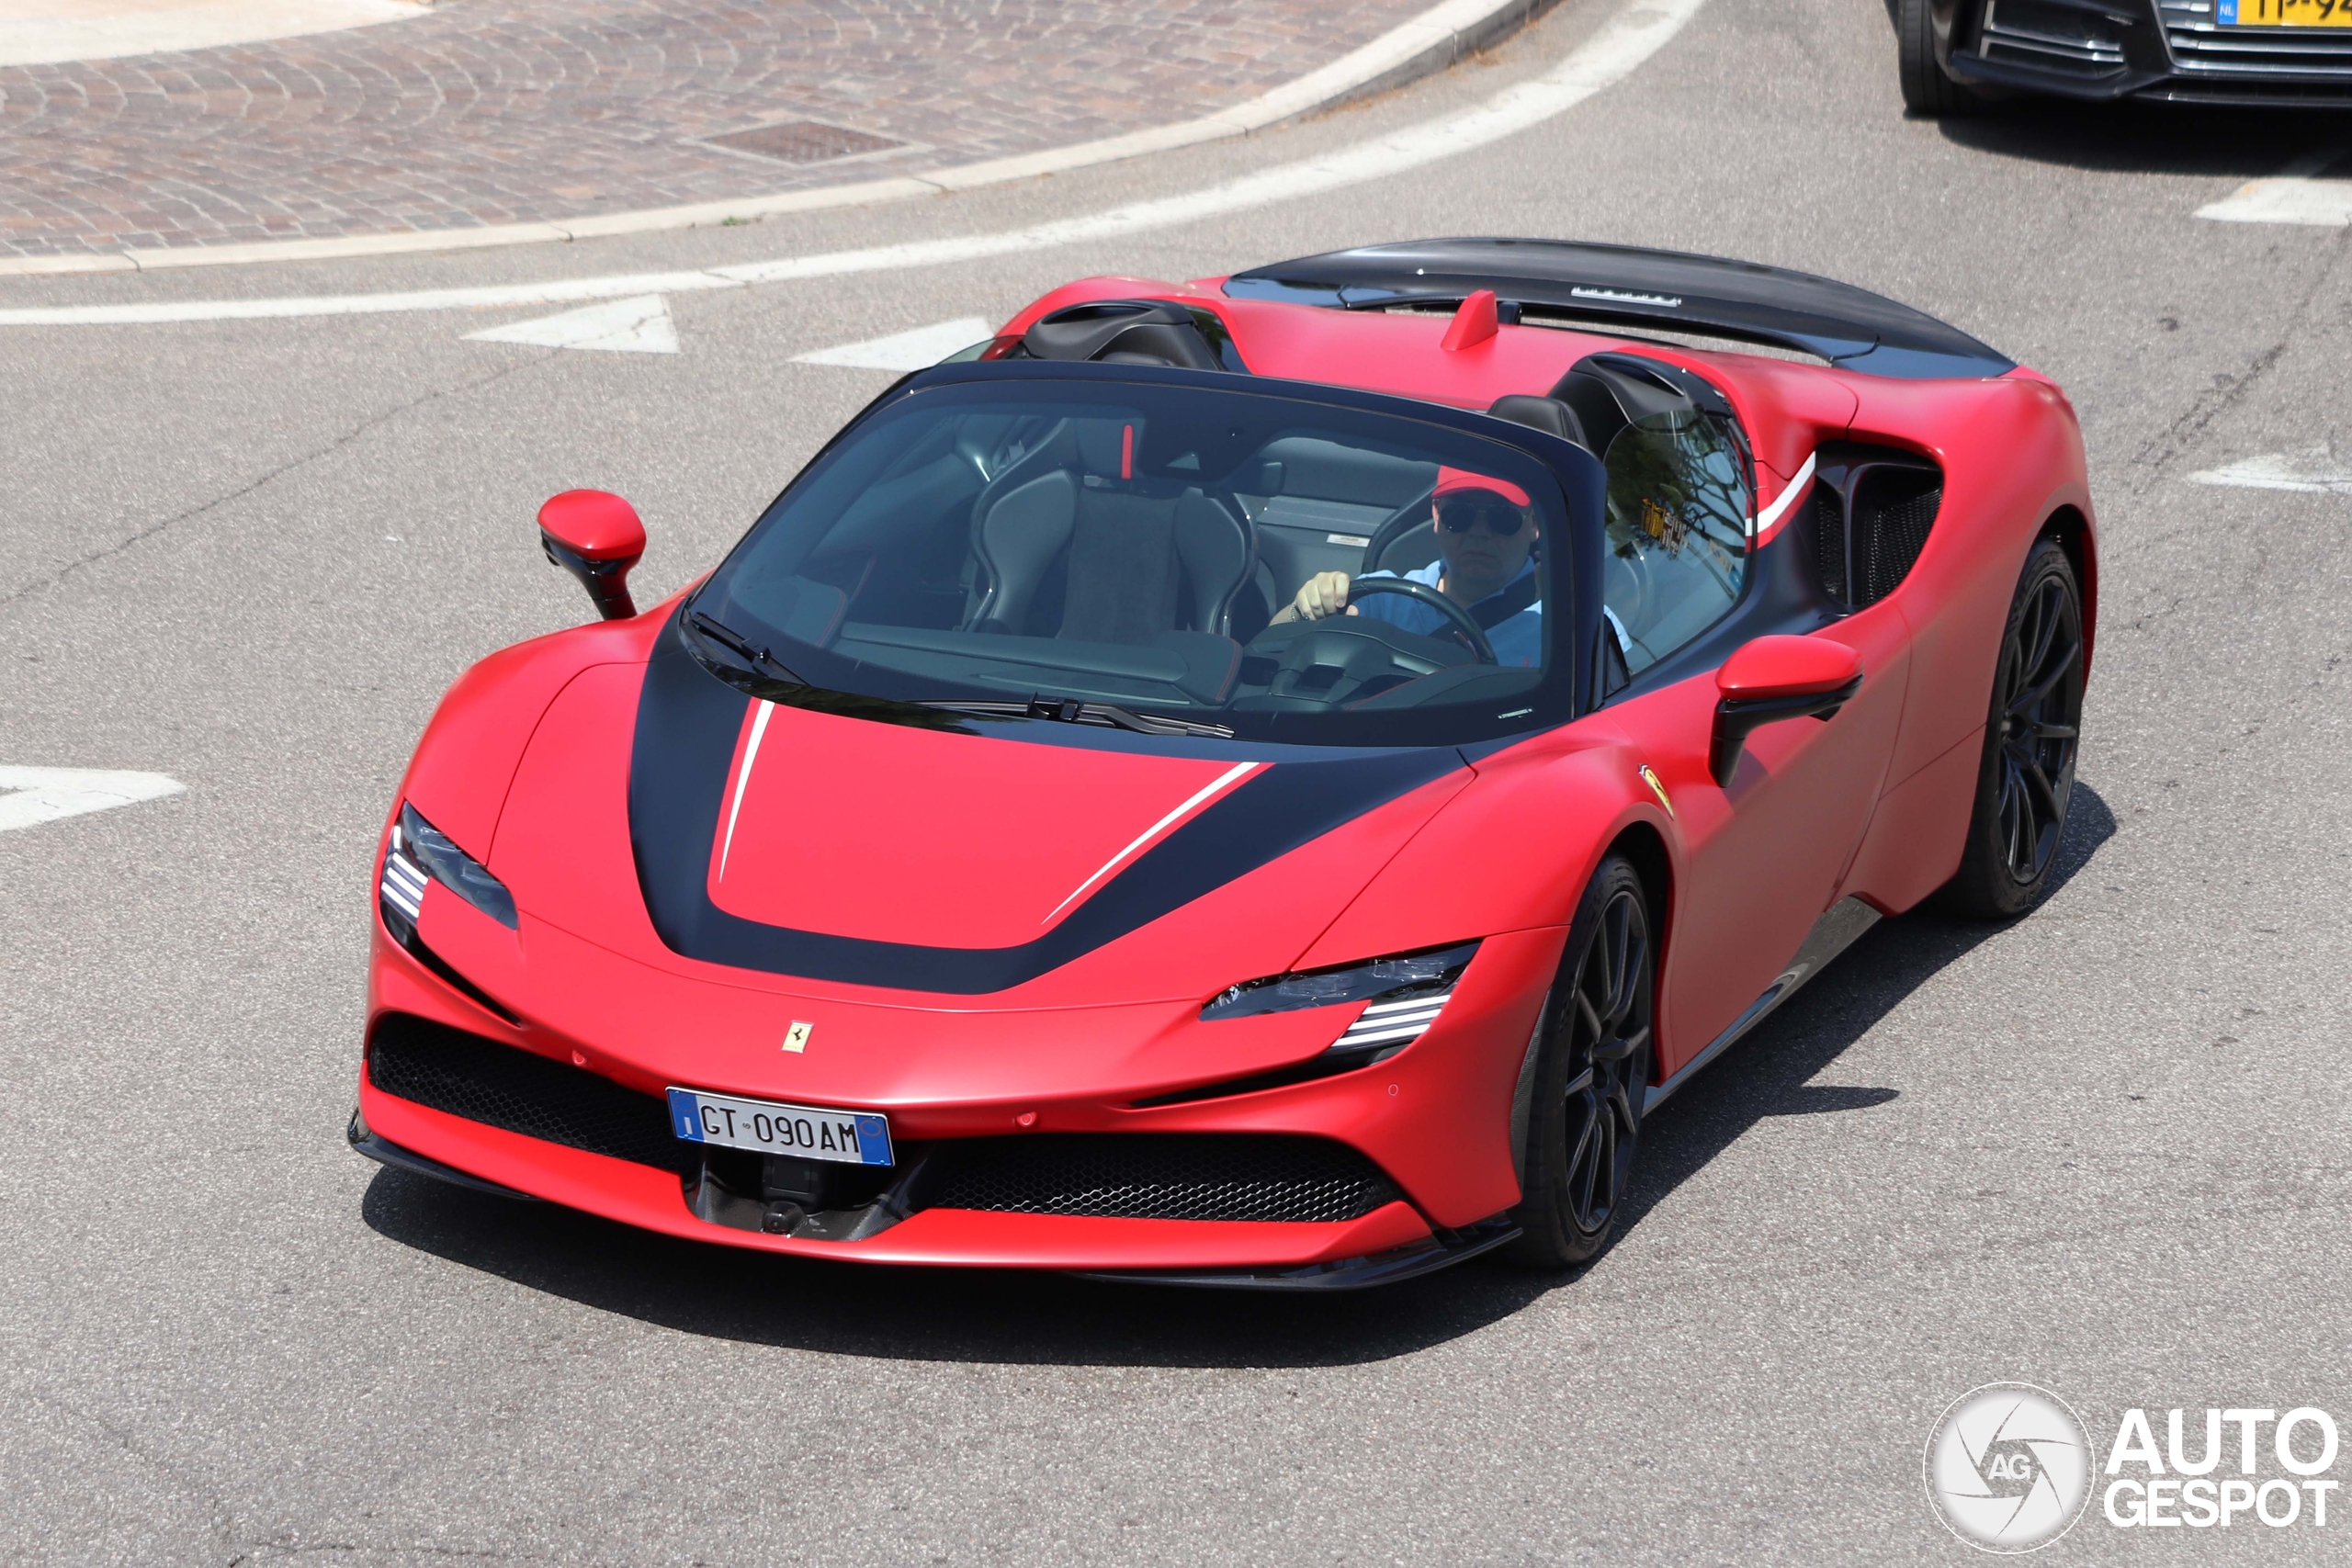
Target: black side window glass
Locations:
point(1678, 506)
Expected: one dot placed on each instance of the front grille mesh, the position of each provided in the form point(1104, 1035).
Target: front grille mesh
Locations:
point(499, 1086)
point(1169, 1176)
point(2203, 47)
point(2054, 38)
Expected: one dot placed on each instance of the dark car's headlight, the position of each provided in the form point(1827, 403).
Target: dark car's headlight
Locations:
point(419, 854)
point(1406, 993)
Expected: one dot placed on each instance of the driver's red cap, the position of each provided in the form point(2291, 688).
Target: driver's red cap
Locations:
point(1453, 481)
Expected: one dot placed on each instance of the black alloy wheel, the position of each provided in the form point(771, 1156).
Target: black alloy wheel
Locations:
point(1590, 1074)
point(2026, 781)
point(1927, 90)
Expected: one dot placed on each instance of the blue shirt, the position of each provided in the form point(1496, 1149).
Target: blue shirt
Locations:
point(1517, 641)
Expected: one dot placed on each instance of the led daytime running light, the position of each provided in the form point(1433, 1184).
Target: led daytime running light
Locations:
point(419, 854)
point(1406, 994)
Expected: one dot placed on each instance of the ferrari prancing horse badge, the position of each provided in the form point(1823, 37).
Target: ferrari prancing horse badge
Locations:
point(795, 1039)
point(1649, 778)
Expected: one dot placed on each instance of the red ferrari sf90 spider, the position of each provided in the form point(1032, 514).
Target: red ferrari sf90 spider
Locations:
point(1266, 780)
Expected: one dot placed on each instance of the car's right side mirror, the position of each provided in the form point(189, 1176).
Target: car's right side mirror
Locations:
point(1773, 678)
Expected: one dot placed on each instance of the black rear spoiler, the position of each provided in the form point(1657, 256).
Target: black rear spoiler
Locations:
point(1563, 279)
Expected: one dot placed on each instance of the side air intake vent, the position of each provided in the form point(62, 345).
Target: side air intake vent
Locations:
point(1891, 509)
point(1830, 539)
point(1873, 508)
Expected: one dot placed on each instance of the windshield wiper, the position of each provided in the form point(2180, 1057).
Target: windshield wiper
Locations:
point(1069, 710)
point(758, 657)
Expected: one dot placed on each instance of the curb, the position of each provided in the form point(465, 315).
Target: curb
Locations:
point(1432, 42)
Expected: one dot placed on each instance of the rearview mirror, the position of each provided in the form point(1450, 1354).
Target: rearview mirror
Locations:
point(594, 535)
point(1774, 678)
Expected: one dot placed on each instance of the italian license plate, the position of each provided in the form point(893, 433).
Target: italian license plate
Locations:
point(803, 1132)
point(2283, 13)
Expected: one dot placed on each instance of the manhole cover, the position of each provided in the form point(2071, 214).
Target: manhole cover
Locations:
point(803, 142)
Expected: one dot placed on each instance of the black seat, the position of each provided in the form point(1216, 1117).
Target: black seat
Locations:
point(1549, 415)
point(1135, 551)
point(1219, 556)
point(1021, 524)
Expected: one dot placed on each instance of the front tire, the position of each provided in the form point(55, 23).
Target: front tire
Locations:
point(2025, 782)
point(1927, 90)
point(1592, 1071)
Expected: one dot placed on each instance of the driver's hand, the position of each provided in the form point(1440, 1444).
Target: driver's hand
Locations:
point(1326, 594)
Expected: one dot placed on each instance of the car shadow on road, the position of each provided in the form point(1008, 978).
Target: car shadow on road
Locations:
point(1001, 1316)
point(1771, 1072)
point(1022, 1318)
point(2148, 139)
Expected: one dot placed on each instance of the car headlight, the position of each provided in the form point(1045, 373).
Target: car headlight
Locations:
point(420, 853)
point(1406, 994)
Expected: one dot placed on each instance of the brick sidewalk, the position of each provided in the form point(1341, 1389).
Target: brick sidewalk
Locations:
point(501, 111)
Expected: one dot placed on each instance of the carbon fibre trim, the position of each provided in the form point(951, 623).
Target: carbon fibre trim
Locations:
point(686, 724)
point(1847, 326)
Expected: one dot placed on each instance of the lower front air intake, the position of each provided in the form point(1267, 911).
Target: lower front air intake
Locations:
point(1163, 1176)
point(502, 1086)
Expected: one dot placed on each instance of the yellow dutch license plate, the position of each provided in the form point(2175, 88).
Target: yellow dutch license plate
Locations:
point(2283, 13)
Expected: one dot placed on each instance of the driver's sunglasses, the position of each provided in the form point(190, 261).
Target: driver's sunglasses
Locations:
point(1461, 516)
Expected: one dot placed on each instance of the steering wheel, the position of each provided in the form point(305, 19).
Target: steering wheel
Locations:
point(1471, 632)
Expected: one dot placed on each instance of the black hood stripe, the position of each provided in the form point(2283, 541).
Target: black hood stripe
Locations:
point(687, 722)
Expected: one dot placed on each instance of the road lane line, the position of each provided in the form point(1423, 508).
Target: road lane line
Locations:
point(34, 795)
point(638, 325)
point(2294, 195)
point(917, 350)
point(2317, 471)
point(1612, 53)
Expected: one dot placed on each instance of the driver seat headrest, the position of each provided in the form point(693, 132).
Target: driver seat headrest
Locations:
point(1549, 415)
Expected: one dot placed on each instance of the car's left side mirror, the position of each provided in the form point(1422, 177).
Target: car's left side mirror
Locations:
point(1774, 678)
point(594, 535)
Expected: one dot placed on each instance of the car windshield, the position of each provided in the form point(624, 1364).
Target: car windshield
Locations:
point(1226, 561)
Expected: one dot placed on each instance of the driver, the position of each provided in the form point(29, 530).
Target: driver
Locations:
point(1486, 535)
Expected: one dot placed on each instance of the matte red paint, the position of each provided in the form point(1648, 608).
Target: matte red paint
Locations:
point(639, 1195)
point(1786, 667)
point(526, 763)
point(593, 524)
point(940, 840)
point(1474, 322)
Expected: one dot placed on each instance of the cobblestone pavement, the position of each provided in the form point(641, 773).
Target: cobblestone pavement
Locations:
point(497, 111)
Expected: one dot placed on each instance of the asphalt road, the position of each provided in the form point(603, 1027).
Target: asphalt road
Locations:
point(2100, 1150)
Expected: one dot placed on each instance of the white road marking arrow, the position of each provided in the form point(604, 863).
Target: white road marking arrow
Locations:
point(638, 325)
point(35, 795)
point(2317, 471)
point(2294, 195)
point(918, 350)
